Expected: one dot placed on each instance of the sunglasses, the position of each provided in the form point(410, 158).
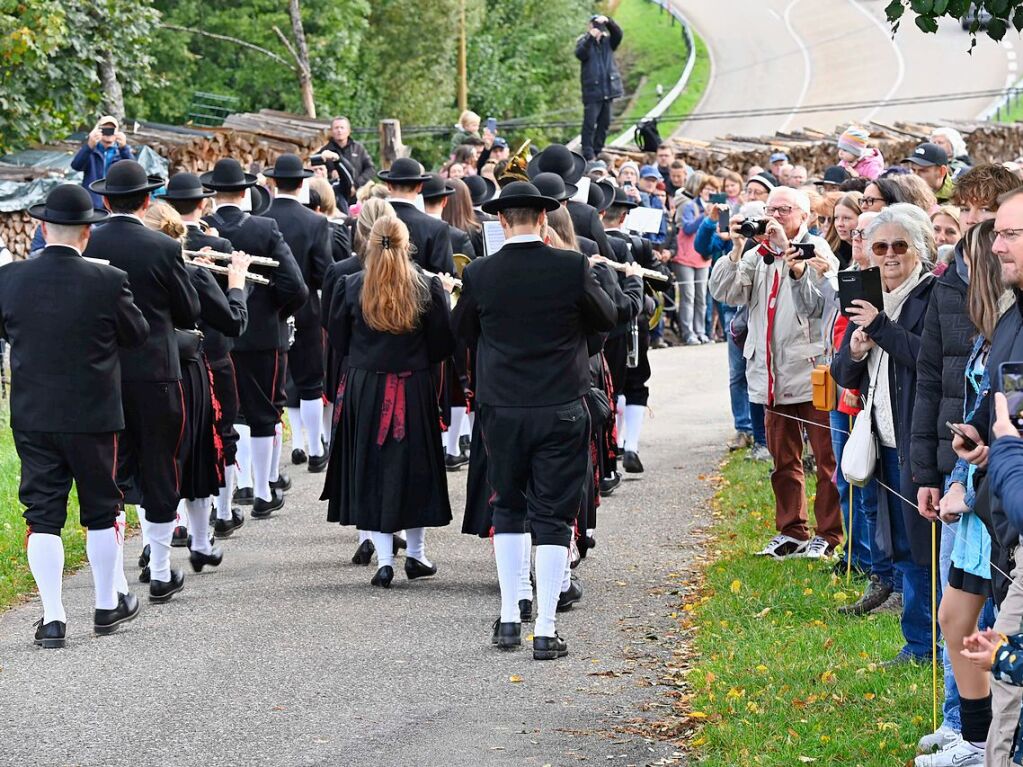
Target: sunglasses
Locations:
point(898, 247)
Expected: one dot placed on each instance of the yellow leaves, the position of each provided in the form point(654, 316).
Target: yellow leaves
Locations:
point(697, 715)
point(807, 592)
point(735, 693)
point(698, 742)
point(841, 597)
point(869, 696)
point(736, 586)
point(762, 668)
point(515, 678)
point(828, 677)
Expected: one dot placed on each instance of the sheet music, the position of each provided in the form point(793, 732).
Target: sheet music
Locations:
point(583, 194)
point(644, 220)
point(493, 236)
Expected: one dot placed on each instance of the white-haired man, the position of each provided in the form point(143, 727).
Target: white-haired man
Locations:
point(783, 345)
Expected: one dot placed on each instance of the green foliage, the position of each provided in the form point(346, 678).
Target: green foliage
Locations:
point(1004, 13)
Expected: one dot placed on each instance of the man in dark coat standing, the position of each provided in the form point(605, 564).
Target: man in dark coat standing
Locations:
point(601, 81)
point(343, 149)
point(308, 236)
point(66, 318)
point(430, 236)
point(528, 308)
point(149, 456)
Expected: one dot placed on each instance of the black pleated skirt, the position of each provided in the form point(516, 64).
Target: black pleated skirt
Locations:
point(202, 473)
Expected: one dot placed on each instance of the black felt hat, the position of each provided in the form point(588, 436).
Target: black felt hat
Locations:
point(553, 185)
point(481, 188)
point(436, 187)
point(559, 159)
point(404, 170)
point(68, 204)
point(606, 190)
point(621, 200)
point(227, 176)
point(184, 186)
point(520, 194)
point(288, 166)
point(125, 177)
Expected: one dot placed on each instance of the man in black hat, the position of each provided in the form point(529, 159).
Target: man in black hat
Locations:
point(260, 354)
point(66, 318)
point(435, 198)
point(601, 81)
point(528, 308)
point(308, 236)
point(930, 162)
point(405, 181)
point(149, 460)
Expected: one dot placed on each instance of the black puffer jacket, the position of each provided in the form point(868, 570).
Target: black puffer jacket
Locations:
point(945, 347)
point(599, 72)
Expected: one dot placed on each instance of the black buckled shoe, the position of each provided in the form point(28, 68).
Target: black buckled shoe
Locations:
point(243, 496)
point(161, 591)
point(107, 621)
point(180, 536)
point(144, 556)
point(364, 554)
point(198, 560)
point(383, 577)
point(144, 575)
point(525, 610)
point(414, 568)
point(50, 635)
point(282, 483)
point(455, 462)
point(298, 456)
point(568, 598)
point(549, 648)
point(631, 462)
point(262, 509)
point(609, 484)
point(222, 528)
point(399, 544)
point(318, 463)
point(506, 635)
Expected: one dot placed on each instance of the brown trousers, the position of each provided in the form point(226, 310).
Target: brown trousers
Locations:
point(785, 441)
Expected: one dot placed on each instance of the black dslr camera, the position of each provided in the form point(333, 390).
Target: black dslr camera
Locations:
point(753, 227)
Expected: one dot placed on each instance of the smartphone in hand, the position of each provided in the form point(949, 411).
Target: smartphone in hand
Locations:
point(806, 250)
point(968, 443)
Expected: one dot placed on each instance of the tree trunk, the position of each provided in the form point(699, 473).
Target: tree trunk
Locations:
point(305, 76)
point(113, 96)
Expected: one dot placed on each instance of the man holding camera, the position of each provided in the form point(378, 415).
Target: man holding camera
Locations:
point(601, 81)
point(105, 145)
point(767, 269)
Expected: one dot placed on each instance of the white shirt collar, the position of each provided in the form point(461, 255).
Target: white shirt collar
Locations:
point(522, 238)
point(126, 215)
point(284, 196)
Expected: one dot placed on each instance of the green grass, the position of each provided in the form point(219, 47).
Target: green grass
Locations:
point(1013, 111)
point(653, 47)
point(779, 677)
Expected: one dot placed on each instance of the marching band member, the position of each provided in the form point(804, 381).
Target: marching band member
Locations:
point(405, 180)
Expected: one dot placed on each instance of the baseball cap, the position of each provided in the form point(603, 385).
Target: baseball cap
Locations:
point(107, 120)
point(779, 157)
point(834, 175)
point(500, 142)
point(926, 155)
point(650, 171)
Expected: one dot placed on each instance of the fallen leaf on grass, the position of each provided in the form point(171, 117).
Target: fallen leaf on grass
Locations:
point(763, 613)
point(828, 677)
point(736, 587)
point(807, 759)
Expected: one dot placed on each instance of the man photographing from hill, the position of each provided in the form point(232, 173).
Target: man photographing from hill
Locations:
point(601, 81)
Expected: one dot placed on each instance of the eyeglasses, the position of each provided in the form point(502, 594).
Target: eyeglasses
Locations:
point(823, 220)
point(868, 202)
point(780, 210)
point(899, 247)
point(1009, 235)
point(857, 234)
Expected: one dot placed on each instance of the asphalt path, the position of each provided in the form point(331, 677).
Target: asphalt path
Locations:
point(787, 54)
point(286, 655)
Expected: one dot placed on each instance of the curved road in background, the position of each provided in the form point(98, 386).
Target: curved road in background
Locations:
point(788, 53)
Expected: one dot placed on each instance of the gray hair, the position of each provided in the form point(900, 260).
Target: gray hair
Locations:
point(801, 198)
point(914, 222)
point(955, 138)
point(63, 234)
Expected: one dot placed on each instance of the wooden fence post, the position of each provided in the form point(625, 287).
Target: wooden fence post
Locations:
point(391, 147)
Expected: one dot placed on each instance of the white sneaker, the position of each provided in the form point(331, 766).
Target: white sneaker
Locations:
point(939, 739)
point(958, 754)
point(783, 547)
point(817, 548)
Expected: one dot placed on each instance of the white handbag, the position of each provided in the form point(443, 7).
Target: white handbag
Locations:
point(859, 456)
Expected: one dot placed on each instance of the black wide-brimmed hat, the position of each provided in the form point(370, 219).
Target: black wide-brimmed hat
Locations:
point(481, 188)
point(553, 185)
point(261, 199)
point(125, 177)
point(559, 159)
point(184, 186)
point(436, 187)
point(404, 170)
point(621, 200)
point(227, 176)
point(602, 194)
point(288, 166)
point(67, 204)
point(520, 194)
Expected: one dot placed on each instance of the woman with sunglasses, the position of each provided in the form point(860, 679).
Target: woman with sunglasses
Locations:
point(878, 355)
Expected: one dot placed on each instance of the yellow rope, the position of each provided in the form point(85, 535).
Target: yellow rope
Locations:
point(934, 627)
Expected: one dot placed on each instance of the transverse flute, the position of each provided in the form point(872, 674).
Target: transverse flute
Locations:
point(216, 255)
point(457, 282)
point(646, 274)
point(249, 277)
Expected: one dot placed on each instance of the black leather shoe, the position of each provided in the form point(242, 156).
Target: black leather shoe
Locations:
point(180, 536)
point(506, 635)
point(318, 463)
point(609, 484)
point(364, 554)
point(298, 456)
point(107, 621)
point(399, 544)
point(50, 635)
point(198, 560)
point(549, 648)
point(282, 483)
point(525, 610)
point(144, 556)
point(383, 577)
point(631, 462)
point(455, 462)
point(161, 591)
point(243, 496)
point(416, 569)
point(144, 575)
point(222, 528)
point(262, 509)
point(568, 598)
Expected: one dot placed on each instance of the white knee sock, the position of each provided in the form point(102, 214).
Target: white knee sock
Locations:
point(416, 545)
point(182, 515)
point(620, 420)
point(262, 456)
point(143, 525)
point(198, 512)
point(312, 420)
point(120, 582)
point(159, 550)
point(634, 415)
point(46, 561)
point(508, 555)
point(566, 579)
point(364, 536)
point(298, 440)
point(275, 457)
point(525, 587)
point(550, 569)
point(101, 547)
point(224, 495)
point(244, 456)
point(454, 431)
point(384, 544)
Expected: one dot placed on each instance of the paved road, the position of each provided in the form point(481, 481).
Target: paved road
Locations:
point(787, 53)
point(286, 656)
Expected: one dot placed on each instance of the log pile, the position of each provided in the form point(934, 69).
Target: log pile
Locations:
point(16, 231)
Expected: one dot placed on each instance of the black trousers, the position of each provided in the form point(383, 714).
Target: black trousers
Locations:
point(261, 398)
point(225, 388)
point(635, 389)
point(50, 461)
point(596, 118)
point(149, 460)
point(537, 462)
point(616, 352)
point(305, 364)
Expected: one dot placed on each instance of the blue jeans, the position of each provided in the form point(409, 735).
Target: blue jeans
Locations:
point(756, 416)
point(950, 709)
point(857, 532)
point(737, 390)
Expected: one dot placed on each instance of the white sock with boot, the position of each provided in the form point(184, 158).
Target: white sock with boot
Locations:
point(46, 561)
point(275, 457)
point(508, 555)
point(634, 415)
point(101, 548)
point(224, 494)
point(454, 431)
point(384, 544)
point(416, 545)
point(550, 569)
point(298, 439)
point(244, 456)
point(198, 512)
point(525, 586)
point(160, 550)
point(312, 421)
point(262, 456)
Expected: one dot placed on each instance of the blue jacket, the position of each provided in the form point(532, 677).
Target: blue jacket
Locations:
point(92, 162)
point(707, 242)
point(1005, 469)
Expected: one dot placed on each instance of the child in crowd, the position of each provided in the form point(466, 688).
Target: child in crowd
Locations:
point(856, 156)
point(468, 126)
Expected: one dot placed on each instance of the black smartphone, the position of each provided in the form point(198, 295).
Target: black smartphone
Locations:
point(317, 160)
point(864, 284)
point(492, 125)
point(968, 443)
point(806, 251)
point(719, 199)
point(1011, 374)
point(107, 130)
point(723, 217)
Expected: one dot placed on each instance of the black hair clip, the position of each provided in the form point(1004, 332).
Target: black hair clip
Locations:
point(385, 242)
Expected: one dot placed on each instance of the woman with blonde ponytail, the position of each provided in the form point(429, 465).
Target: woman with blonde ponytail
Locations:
point(386, 470)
